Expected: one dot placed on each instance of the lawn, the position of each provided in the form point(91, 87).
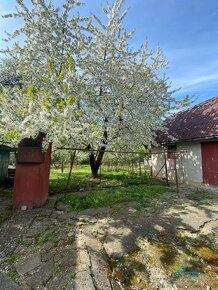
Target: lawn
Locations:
point(110, 197)
point(113, 187)
point(81, 179)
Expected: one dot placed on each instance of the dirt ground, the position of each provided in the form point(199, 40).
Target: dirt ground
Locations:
point(168, 242)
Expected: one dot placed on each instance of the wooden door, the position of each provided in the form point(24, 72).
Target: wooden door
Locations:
point(209, 153)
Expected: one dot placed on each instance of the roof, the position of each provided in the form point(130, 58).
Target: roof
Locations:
point(197, 123)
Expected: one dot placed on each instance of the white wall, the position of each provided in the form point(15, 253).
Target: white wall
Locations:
point(189, 164)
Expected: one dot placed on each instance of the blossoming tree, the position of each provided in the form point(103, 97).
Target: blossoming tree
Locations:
point(126, 97)
point(47, 59)
point(82, 83)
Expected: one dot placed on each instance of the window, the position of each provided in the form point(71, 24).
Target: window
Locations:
point(171, 150)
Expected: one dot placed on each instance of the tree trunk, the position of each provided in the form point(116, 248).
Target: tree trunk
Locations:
point(140, 169)
point(95, 161)
point(62, 166)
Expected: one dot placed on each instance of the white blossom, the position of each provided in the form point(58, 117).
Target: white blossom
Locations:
point(81, 83)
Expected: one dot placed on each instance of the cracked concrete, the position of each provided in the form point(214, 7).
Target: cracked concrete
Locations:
point(201, 226)
point(193, 218)
point(51, 248)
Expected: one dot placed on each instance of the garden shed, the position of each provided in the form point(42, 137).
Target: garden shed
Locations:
point(192, 139)
point(4, 161)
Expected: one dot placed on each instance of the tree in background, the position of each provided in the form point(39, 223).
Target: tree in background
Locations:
point(82, 83)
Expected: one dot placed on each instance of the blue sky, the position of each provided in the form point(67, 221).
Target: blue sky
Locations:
point(186, 30)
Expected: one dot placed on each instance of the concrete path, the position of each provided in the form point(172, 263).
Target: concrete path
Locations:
point(51, 248)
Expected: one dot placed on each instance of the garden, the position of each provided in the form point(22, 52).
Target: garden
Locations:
point(121, 231)
point(115, 184)
point(77, 89)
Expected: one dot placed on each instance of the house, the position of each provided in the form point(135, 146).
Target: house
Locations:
point(4, 161)
point(190, 145)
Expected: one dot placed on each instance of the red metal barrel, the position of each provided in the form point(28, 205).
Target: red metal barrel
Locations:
point(32, 174)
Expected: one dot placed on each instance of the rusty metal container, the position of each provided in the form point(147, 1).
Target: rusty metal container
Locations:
point(32, 174)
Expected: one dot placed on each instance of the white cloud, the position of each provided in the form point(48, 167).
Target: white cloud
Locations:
point(196, 80)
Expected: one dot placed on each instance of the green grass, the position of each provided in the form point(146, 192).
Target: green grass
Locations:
point(114, 187)
point(45, 237)
point(12, 273)
point(201, 196)
point(81, 179)
point(101, 198)
point(13, 258)
point(56, 268)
